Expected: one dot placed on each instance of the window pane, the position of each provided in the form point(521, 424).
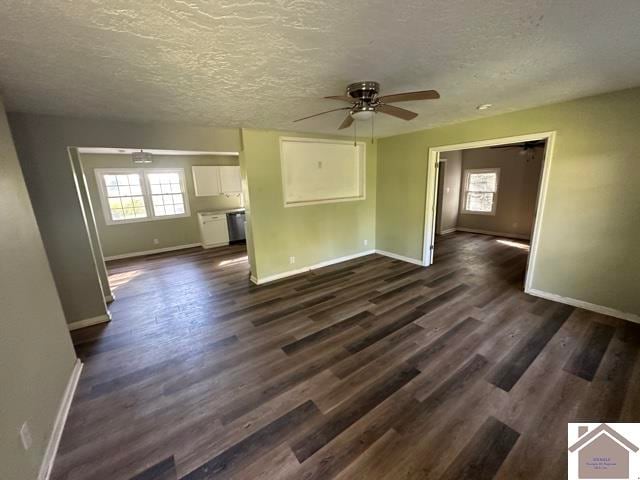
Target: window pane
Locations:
point(157, 200)
point(166, 188)
point(169, 209)
point(124, 196)
point(140, 212)
point(155, 189)
point(110, 180)
point(482, 182)
point(123, 179)
point(175, 188)
point(159, 211)
point(479, 202)
point(179, 209)
point(177, 198)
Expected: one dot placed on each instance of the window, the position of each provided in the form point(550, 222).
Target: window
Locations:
point(166, 193)
point(139, 195)
point(480, 191)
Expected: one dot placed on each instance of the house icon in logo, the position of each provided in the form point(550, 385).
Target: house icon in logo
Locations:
point(602, 453)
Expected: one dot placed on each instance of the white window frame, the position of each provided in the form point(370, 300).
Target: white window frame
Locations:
point(146, 193)
point(465, 190)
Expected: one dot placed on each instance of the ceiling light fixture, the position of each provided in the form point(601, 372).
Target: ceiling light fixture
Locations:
point(141, 157)
point(362, 112)
point(484, 106)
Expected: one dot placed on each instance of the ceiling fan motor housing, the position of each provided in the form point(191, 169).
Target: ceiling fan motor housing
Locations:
point(363, 91)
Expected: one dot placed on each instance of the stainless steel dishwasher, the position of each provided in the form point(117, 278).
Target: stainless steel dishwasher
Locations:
point(235, 222)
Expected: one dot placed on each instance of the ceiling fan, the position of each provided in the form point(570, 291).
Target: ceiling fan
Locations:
point(365, 102)
point(525, 147)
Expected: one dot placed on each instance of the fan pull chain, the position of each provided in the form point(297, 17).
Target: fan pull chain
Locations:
point(374, 116)
point(355, 132)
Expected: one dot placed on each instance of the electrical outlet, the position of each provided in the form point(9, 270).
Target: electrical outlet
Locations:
point(25, 436)
point(292, 260)
point(156, 241)
point(366, 242)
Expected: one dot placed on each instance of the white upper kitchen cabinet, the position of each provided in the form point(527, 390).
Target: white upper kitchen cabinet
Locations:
point(216, 180)
point(230, 181)
point(206, 180)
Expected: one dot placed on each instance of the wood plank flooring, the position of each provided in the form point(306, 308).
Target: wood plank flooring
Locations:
point(368, 369)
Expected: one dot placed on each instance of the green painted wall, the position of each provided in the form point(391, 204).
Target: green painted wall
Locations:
point(312, 233)
point(589, 248)
point(36, 354)
point(138, 237)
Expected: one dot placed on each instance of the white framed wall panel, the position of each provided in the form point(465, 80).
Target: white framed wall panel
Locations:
point(321, 171)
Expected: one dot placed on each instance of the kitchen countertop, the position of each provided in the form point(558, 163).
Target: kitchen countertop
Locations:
point(220, 212)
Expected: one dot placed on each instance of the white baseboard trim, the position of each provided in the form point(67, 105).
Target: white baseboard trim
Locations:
point(58, 426)
point(495, 234)
point(151, 252)
point(109, 298)
point(326, 263)
point(584, 305)
point(214, 245)
point(448, 231)
point(87, 322)
point(400, 257)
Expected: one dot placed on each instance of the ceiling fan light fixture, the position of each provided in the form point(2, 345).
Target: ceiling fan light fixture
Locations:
point(361, 115)
point(484, 106)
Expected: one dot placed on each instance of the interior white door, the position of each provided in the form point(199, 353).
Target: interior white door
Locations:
point(230, 181)
point(206, 180)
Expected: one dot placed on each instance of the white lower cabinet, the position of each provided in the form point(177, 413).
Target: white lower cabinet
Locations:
point(213, 229)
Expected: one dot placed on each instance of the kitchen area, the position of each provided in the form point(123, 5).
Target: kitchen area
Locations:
point(219, 227)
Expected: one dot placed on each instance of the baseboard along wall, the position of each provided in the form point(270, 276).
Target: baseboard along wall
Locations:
point(58, 426)
point(151, 252)
point(88, 322)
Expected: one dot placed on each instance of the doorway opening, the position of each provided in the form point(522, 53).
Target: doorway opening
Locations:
point(492, 187)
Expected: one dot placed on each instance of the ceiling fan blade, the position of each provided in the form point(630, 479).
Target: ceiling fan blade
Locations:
point(343, 98)
point(322, 113)
point(346, 122)
point(410, 96)
point(396, 112)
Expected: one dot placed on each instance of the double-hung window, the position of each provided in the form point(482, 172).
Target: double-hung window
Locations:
point(139, 195)
point(480, 192)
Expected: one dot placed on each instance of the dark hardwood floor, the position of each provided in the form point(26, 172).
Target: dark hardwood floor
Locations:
point(368, 369)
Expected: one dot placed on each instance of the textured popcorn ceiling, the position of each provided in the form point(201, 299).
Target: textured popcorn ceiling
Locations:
point(264, 63)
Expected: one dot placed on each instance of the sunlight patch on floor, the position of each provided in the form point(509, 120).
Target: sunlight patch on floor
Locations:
point(234, 261)
point(511, 243)
point(117, 280)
